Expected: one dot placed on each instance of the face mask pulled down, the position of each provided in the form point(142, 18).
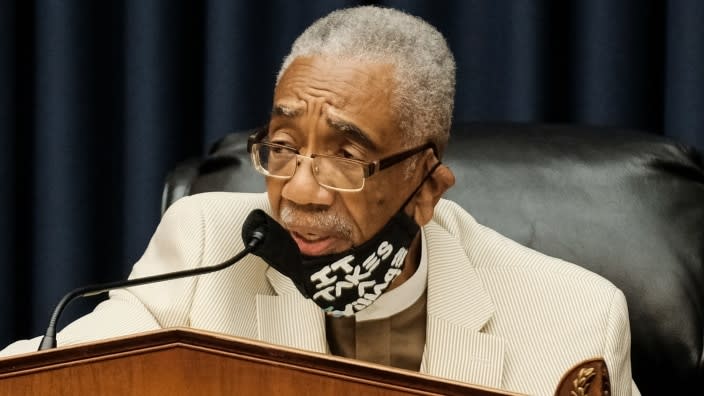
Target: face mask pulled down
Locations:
point(346, 282)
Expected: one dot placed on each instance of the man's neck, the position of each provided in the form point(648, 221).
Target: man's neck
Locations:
point(410, 265)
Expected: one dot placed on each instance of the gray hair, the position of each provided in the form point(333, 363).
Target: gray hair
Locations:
point(424, 68)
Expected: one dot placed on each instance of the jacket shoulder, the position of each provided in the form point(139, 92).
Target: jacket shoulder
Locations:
point(488, 250)
point(219, 201)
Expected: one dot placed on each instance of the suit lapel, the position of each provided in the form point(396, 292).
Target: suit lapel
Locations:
point(458, 309)
point(288, 318)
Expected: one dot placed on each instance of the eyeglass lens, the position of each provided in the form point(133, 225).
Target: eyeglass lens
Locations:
point(329, 171)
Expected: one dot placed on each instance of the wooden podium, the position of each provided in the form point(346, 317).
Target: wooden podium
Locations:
point(189, 362)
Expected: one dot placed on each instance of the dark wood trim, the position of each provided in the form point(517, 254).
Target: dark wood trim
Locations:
point(241, 349)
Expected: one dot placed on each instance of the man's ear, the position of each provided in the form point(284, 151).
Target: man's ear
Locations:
point(429, 195)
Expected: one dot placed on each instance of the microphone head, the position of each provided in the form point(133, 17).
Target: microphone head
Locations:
point(255, 227)
point(277, 248)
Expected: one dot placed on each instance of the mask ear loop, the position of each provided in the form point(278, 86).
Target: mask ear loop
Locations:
point(425, 178)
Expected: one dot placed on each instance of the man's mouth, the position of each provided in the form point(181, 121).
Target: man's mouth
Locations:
point(314, 245)
point(316, 232)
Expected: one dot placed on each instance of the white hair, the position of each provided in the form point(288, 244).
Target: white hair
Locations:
point(423, 65)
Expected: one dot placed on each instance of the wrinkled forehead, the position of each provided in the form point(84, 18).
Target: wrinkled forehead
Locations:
point(354, 97)
point(347, 74)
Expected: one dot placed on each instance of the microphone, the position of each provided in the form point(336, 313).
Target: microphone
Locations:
point(279, 248)
point(280, 251)
point(254, 232)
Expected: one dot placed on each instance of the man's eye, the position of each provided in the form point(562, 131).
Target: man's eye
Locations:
point(349, 154)
point(283, 144)
point(281, 148)
point(277, 150)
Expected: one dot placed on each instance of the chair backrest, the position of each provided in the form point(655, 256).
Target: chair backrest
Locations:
point(626, 205)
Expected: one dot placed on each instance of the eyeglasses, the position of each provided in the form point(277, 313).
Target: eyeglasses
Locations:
point(333, 172)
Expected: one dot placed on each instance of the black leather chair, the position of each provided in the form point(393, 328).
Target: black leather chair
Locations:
point(626, 205)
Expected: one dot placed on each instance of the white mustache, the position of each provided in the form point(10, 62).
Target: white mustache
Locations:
point(331, 223)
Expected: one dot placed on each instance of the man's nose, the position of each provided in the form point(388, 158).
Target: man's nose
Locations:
point(302, 188)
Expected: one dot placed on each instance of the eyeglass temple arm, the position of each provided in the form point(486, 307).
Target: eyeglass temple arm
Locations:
point(257, 136)
point(396, 158)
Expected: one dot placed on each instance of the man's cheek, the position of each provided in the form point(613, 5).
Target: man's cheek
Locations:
point(274, 194)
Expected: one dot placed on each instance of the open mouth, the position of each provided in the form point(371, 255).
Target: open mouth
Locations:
point(314, 245)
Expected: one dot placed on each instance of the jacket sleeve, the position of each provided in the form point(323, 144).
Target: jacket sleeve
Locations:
point(617, 348)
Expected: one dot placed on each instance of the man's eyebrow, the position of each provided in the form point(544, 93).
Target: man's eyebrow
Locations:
point(287, 111)
point(352, 132)
point(347, 129)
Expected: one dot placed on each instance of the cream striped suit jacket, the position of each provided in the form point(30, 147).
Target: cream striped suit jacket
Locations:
point(499, 314)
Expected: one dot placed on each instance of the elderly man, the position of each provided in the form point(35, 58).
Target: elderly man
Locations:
point(385, 270)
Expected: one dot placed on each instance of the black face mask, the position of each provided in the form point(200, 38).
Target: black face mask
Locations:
point(347, 282)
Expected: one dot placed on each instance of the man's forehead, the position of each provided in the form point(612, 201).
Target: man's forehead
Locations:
point(352, 96)
point(347, 128)
point(341, 81)
point(288, 109)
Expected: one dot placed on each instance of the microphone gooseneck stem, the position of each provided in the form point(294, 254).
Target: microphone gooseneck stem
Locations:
point(49, 339)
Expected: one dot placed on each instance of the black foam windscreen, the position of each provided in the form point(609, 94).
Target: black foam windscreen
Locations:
point(256, 220)
point(278, 249)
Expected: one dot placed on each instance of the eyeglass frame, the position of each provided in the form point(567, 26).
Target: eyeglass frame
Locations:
point(369, 168)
